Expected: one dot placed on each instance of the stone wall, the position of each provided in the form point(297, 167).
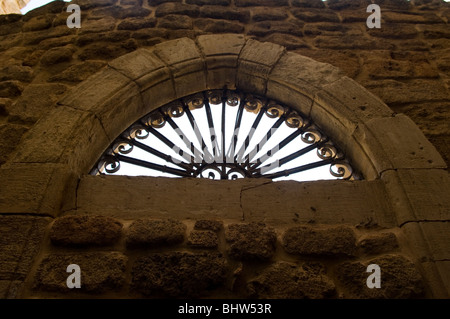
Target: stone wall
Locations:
point(245, 244)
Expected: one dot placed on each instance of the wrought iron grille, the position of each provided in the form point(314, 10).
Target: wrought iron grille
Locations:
point(225, 134)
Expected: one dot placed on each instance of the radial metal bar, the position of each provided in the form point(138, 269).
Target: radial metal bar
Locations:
point(183, 137)
point(275, 149)
point(296, 169)
point(161, 155)
point(266, 138)
point(157, 167)
point(170, 144)
point(232, 149)
point(212, 131)
point(197, 132)
point(249, 137)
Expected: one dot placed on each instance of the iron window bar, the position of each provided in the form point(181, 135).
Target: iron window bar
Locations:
point(213, 154)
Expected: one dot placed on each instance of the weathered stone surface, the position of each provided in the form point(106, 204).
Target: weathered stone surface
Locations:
point(178, 274)
point(98, 25)
point(10, 88)
point(264, 28)
point(120, 12)
point(208, 224)
point(10, 135)
point(130, 201)
point(308, 3)
point(38, 23)
point(78, 72)
point(318, 202)
point(89, 4)
point(207, 2)
point(175, 22)
point(4, 104)
point(356, 41)
point(395, 31)
point(218, 12)
point(100, 272)
point(218, 26)
point(113, 36)
point(403, 143)
point(251, 241)
point(378, 243)
point(428, 199)
point(418, 90)
point(399, 278)
point(264, 14)
point(83, 230)
point(136, 23)
point(290, 42)
point(315, 15)
point(20, 242)
point(284, 280)
point(398, 17)
point(177, 8)
point(268, 3)
point(36, 189)
point(36, 37)
point(203, 239)
point(149, 232)
point(330, 241)
point(344, 4)
point(98, 51)
point(57, 55)
point(36, 100)
point(157, 2)
point(434, 31)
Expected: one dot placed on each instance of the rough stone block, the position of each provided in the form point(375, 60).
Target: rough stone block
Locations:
point(218, 26)
point(83, 230)
point(399, 279)
point(265, 14)
point(78, 72)
point(10, 88)
point(203, 239)
point(378, 243)
point(178, 274)
point(136, 23)
point(264, 28)
point(17, 73)
point(20, 242)
point(177, 8)
point(290, 42)
point(36, 188)
point(98, 25)
point(330, 241)
point(285, 280)
point(209, 2)
point(175, 22)
point(267, 3)
point(10, 135)
point(251, 241)
point(315, 15)
point(100, 272)
point(308, 3)
point(208, 224)
point(219, 12)
point(36, 101)
point(152, 233)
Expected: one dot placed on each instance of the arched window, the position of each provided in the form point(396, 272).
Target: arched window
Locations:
point(225, 134)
